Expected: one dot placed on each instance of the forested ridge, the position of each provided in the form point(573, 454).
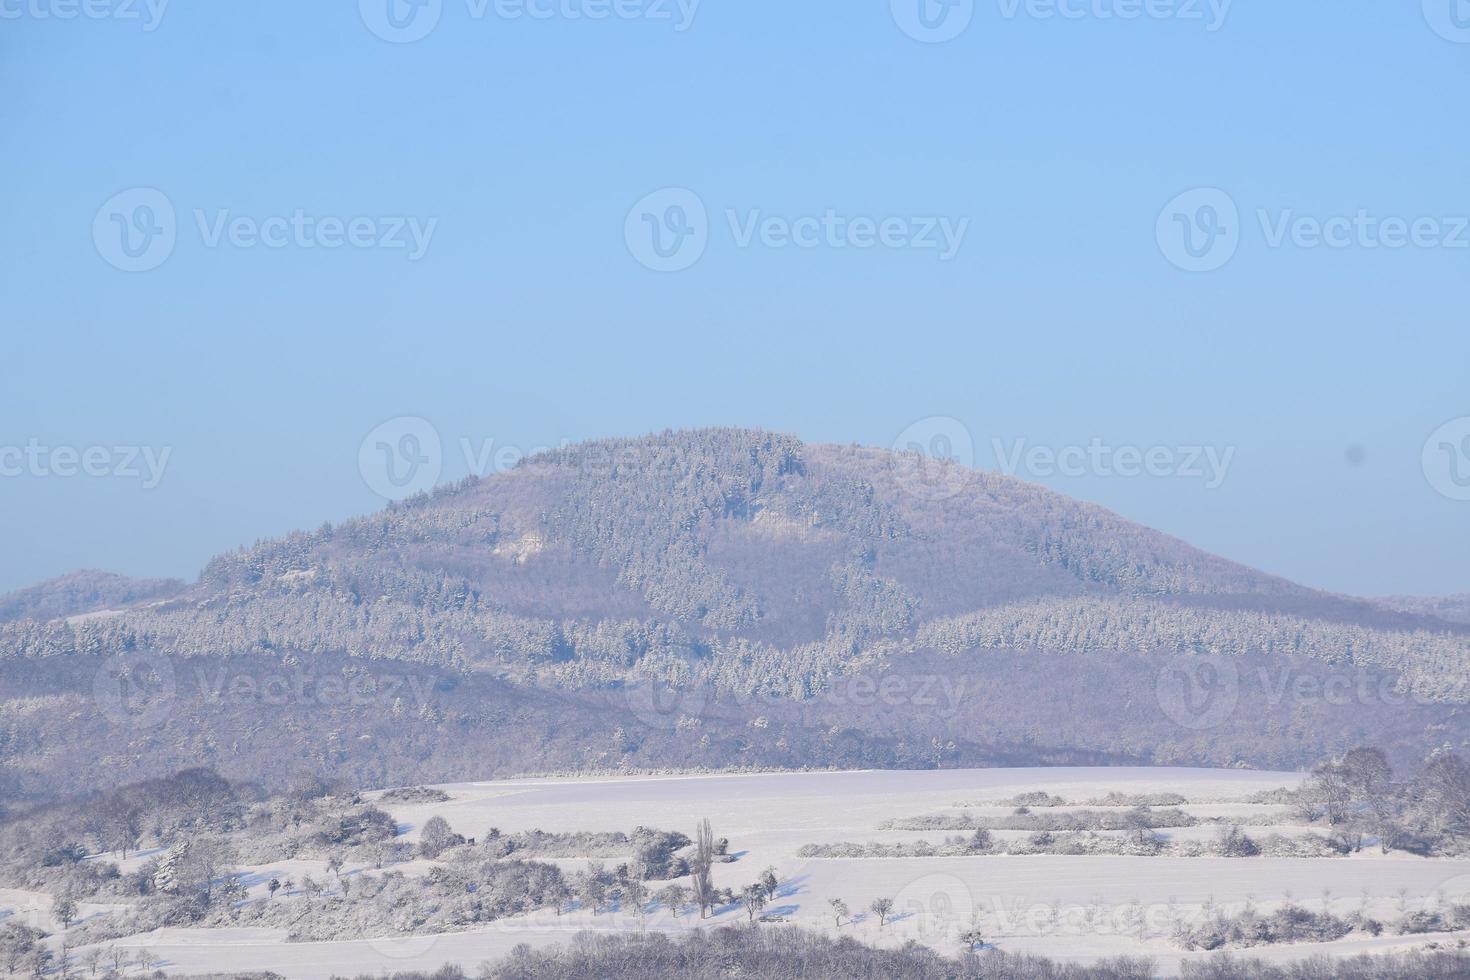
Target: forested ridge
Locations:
point(744, 565)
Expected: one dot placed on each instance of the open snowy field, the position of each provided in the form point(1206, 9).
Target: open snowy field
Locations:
point(1070, 907)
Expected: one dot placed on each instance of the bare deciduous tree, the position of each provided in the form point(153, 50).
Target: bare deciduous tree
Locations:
point(700, 866)
point(754, 899)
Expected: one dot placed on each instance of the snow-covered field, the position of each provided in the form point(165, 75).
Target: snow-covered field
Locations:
point(1066, 907)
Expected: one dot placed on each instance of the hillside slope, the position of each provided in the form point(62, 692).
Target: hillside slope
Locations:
point(668, 600)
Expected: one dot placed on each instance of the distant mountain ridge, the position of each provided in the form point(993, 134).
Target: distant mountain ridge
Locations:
point(743, 565)
point(83, 592)
point(1450, 608)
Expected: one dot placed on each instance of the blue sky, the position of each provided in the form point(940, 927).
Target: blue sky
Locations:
point(522, 316)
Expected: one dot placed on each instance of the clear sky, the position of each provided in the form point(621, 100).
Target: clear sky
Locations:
point(497, 285)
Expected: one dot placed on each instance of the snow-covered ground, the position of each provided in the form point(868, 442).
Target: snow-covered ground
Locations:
point(1077, 908)
point(34, 909)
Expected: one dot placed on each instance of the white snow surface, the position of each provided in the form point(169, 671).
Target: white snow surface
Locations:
point(1075, 908)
